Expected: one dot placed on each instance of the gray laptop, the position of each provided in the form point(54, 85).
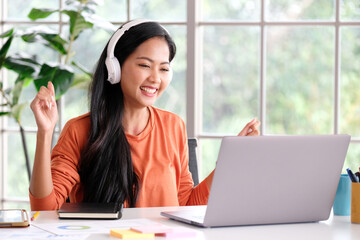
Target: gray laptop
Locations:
point(271, 180)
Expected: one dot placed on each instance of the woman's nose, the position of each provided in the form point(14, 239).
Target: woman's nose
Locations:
point(155, 76)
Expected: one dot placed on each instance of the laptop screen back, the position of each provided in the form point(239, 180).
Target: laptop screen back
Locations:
point(275, 179)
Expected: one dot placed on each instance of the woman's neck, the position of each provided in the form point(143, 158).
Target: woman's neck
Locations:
point(135, 120)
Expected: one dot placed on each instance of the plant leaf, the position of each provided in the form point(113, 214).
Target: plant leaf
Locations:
point(37, 13)
point(16, 91)
point(4, 113)
point(27, 81)
point(55, 42)
point(7, 33)
point(17, 110)
point(47, 37)
point(61, 76)
point(4, 49)
point(77, 22)
point(24, 65)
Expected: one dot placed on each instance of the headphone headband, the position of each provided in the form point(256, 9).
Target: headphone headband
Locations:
point(111, 62)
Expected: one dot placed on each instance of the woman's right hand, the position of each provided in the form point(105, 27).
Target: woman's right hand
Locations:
point(45, 109)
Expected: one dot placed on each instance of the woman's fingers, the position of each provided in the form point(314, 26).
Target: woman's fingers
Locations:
point(250, 127)
point(45, 97)
point(44, 108)
point(51, 89)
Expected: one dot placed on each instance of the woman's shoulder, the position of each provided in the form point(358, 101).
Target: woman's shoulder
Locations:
point(166, 115)
point(169, 122)
point(80, 124)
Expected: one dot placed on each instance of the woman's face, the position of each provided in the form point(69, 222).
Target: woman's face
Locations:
point(146, 73)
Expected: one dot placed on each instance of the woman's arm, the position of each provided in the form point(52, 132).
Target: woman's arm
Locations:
point(200, 194)
point(46, 115)
point(251, 129)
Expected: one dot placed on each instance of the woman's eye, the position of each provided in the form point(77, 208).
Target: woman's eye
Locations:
point(164, 69)
point(144, 65)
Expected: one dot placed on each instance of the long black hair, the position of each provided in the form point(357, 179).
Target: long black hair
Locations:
point(106, 168)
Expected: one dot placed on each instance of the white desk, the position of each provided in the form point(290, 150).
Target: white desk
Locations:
point(337, 227)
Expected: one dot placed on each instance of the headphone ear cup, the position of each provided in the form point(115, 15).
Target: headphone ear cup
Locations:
point(114, 70)
point(117, 70)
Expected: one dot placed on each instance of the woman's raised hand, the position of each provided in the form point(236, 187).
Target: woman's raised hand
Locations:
point(45, 109)
point(251, 129)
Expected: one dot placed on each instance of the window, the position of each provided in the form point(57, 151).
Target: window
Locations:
point(293, 64)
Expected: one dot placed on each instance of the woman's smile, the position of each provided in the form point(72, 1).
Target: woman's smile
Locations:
point(148, 91)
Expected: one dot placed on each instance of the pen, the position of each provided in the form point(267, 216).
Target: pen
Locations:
point(351, 175)
point(35, 216)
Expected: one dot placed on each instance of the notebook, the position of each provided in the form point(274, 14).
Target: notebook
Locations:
point(85, 210)
point(271, 180)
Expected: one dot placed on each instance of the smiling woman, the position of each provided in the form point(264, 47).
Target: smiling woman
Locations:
point(125, 150)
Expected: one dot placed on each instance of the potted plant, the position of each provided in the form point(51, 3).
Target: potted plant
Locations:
point(30, 69)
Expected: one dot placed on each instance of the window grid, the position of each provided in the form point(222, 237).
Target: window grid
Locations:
point(194, 122)
point(337, 24)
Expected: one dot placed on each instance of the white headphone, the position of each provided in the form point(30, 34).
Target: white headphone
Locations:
point(111, 62)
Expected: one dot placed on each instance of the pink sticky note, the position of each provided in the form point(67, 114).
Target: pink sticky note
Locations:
point(178, 232)
point(152, 229)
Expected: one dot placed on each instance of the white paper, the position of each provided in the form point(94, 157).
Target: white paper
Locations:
point(89, 227)
point(34, 233)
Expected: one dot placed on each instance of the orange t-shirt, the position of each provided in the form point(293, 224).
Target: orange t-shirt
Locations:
point(159, 155)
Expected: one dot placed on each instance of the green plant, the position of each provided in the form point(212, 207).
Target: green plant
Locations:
point(31, 69)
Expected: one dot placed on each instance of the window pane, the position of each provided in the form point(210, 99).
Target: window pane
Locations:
point(76, 103)
point(159, 10)
point(174, 97)
point(231, 10)
point(27, 116)
point(350, 81)
point(19, 9)
point(352, 160)
point(209, 149)
point(230, 78)
point(299, 10)
point(299, 80)
point(113, 10)
point(17, 183)
point(350, 10)
point(17, 178)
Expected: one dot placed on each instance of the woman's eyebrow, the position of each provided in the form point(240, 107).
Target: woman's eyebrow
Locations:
point(150, 60)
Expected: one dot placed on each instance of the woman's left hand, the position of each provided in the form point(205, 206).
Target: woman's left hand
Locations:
point(251, 129)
